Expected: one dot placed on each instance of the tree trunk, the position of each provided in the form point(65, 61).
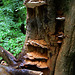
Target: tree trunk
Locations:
point(51, 31)
point(66, 55)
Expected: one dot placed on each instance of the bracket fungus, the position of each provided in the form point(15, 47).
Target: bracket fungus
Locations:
point(60, 36)
point(59, 42)
point(33, 4)
point(36, 59)
point(37, 43)
point(35, 55)
point(60, 18)
point(38, 64)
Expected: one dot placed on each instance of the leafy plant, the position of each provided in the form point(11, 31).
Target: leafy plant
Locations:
point(12, 15)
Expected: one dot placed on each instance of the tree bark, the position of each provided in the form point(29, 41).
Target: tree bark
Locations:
point(65, 60)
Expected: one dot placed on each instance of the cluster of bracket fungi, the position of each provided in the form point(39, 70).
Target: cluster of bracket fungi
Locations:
point(35, 60)
point(34, 3)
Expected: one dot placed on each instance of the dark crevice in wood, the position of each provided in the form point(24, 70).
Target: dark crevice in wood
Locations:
point(59, 26)
point(59, 30)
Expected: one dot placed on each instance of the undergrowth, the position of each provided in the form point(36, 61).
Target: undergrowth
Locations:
point(12, 16)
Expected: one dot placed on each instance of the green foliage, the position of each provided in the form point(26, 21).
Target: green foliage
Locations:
point(1, 58)
point(12, 15)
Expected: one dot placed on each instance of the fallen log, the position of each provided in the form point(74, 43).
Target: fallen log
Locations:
point(7, 56)
point(11, 71)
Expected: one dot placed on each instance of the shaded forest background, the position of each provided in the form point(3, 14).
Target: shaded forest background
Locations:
point(12, 25)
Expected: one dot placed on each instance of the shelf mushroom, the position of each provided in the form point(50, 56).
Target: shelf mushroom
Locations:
point(60, 18)
point(37, 43)
point(38, 64)
point(35, 55)
point(33, 4)
point(59, 42)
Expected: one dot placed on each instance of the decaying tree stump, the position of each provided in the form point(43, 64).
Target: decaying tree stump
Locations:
point(51, 32)
point(50, 39)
